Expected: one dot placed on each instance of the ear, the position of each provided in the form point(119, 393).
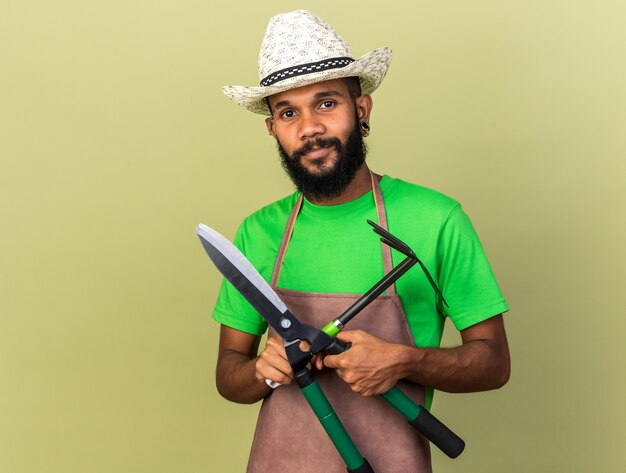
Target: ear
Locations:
point(364, 106)
point(269, 123)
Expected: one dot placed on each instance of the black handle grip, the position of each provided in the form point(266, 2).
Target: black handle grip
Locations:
point(431, 428)
point(364, 468)
point(336, 347)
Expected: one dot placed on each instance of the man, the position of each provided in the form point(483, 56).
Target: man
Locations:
point(316, 250)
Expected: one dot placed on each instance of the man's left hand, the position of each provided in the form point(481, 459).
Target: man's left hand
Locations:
point(371, 366)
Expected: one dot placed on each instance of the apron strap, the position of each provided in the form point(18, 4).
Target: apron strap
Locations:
point(285, 242)
point(382, 221)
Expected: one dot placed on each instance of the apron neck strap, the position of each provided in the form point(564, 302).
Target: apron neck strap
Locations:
point(382, 221)
point(285, 241)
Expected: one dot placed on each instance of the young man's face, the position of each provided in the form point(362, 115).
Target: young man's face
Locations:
point(317, 128)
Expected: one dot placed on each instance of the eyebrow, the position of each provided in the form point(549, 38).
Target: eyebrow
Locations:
point(319, 95)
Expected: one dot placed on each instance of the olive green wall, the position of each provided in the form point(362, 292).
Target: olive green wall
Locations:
point(115, 141)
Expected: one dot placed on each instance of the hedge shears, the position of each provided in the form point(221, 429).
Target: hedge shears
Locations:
point(236, 268)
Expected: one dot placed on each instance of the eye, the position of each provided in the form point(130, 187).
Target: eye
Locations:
point(288, 114)
point(327, 104)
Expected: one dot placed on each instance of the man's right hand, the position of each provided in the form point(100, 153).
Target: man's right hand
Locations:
point(272, 362)
point(241, 373)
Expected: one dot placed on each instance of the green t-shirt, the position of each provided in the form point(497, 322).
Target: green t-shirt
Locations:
point(333, 249)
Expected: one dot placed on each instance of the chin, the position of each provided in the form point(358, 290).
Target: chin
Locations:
point(319, 167)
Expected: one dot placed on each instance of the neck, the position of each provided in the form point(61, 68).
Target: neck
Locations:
point(360, 185)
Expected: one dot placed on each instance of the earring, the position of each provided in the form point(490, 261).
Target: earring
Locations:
point(365, 129)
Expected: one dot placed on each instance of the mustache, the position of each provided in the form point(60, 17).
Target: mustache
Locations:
point(316, 143)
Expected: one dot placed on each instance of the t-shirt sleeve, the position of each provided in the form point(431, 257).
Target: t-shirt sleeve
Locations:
point(465, 276)
point(231, 308)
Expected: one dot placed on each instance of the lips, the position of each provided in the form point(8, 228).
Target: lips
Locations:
point(318, 152)
point(317, 149)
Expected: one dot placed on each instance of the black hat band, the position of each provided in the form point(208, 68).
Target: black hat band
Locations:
point(333, 63)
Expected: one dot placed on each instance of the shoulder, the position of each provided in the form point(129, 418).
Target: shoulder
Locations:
point(405, 196)
point(263, 229)
point(270, 215)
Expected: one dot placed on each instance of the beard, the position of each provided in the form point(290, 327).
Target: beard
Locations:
point(326, 183)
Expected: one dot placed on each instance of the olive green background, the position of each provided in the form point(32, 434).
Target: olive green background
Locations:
point(115, 141)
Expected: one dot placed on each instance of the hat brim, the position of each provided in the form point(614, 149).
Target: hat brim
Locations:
point(369, 68)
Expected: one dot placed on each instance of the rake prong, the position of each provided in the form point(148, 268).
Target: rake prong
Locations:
point(391, 240)
point(432, 282)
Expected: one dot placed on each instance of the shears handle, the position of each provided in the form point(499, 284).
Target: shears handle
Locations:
point(425, 423)
point(335, 430)
point(418, 416)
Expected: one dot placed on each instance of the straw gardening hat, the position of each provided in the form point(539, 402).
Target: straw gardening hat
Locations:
point(300, 49)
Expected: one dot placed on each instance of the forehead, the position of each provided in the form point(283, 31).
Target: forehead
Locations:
point(310, 91)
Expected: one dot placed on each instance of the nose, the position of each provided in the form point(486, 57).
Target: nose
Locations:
point(310, 126)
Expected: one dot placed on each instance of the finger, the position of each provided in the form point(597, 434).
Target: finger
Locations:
point(304, 346)
point(341, 374)
point(332, 361)
point(349, 336)
point(275, 375)
point(274, 356)
point(275, 345)
point(317, 362)
point(273, 360)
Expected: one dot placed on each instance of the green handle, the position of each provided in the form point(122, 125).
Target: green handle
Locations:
point(333, 426)
point(425, 423)
point(402, 403)
point(422, 420)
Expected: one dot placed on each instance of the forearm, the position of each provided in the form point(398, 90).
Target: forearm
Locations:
point(475, 366)
point(372, 365)
point(236, 380)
